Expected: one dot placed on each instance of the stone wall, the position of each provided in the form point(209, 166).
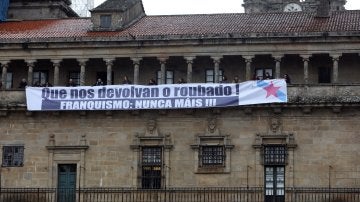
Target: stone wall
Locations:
point(327, 146)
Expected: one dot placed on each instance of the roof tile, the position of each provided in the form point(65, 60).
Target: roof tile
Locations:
point(204, 24)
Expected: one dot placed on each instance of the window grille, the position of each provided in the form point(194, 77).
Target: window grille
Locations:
point(13, 156)
point(151, 167)
point(212, 155)
point(275, 155)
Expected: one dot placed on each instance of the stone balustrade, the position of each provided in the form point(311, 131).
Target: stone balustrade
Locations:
point(331, 95)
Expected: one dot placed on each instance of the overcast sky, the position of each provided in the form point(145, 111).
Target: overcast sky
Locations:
point(173, 7)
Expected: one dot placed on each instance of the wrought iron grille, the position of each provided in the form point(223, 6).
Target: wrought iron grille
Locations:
point(212, 155)
point(151, 155)
point(13, 156)
point(151, 167)
point(180, 194)
point(275, 155)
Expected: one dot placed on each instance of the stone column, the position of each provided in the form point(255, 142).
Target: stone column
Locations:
point(216, 60)
point(248, 60)
point(4, 65)
point(30, 64)
point(335, 70)
point(56, 64)
point(82, 63)
point(277, 66)
point(109, 64)
point(306, 59)
point(162, 70)
point(136, 63)
point(189, 61)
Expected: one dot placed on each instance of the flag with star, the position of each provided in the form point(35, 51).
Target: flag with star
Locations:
point(263, 91)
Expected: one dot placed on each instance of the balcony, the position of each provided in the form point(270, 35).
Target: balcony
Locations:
point(298, 95)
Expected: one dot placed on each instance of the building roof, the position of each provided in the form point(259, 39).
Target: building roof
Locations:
point(115, 5)
point(189, 26)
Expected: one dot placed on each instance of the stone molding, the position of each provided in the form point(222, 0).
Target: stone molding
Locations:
point(212, 136)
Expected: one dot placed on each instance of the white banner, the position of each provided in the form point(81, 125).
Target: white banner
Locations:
point(173, 96)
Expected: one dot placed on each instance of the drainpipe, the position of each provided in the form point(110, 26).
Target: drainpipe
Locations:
point(4, 5)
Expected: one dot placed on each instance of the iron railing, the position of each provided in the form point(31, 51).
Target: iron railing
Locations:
point(224, 194)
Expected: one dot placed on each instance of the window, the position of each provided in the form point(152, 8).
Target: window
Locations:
point(13, 156)
point(261, 74)
point(210, 76)
point(105, 21)
point(212, 153)
point(274, 162)
point(40, 77)
point(169, 77)
point(151, 167)
point(75, 76)
point(212, 156)
point(275, 155)
point(9, 80)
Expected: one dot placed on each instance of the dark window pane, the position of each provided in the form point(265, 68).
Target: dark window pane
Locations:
point(40, 77)
point(13, 156)
point(210, 75)
point(212, 155)
point(151, 177)
point(105, 21)
point(275, 155)
point(151, 167)
point(75, 76)
point(169, 77)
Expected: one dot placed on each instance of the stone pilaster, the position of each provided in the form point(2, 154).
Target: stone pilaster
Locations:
point(335, 69)
point(216, 60)
point(306, 59)
point(162, 69)
point(30, 64)
point(56, 65)
point(248, 60)
point(109, 65)
point(4, 66)
point(82, 63)
point(277, 66)
point(136, 63)
point(189, 62)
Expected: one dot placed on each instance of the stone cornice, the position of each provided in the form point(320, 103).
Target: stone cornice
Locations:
point(70, 147)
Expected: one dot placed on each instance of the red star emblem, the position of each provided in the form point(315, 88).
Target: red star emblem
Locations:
point(271, 90)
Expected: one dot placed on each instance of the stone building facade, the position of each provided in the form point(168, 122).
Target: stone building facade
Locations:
point(310, 141)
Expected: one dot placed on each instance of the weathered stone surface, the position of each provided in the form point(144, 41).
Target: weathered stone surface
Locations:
point(323, 139)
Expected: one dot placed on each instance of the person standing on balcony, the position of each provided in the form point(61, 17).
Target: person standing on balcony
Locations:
point(99, 82)
point(224, 80)
point(181, 80)
point(152, 82)
point(47, 84)
point(287, 78)
point(267, 75)
point(71, 83)
point(236, 79)
point(23, 83)
point(126, 80)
